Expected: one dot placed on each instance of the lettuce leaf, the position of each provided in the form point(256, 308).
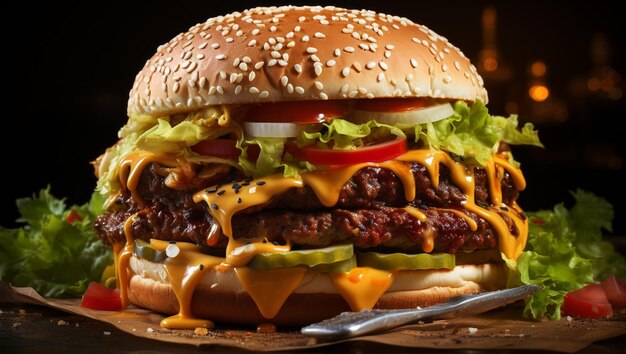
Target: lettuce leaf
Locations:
point(55, 257)
point(565, 252)
point(340, 134)
point(270, 158)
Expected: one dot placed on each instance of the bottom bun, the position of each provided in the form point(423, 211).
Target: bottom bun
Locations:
point(229, 304)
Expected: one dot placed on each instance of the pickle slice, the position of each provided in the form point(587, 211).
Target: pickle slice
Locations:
point(337, 267)
point(394, 261)
point(144, 250)
point(307, 258)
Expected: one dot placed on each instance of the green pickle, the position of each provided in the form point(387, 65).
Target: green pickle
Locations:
point(144, 250)
point(406, 261)
point(325, 258)
point(337, 267)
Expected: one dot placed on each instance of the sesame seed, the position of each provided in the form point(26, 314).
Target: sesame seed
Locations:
point(223, 74)
point(282, 62)
point(272, 62)
point(192, 67)
point(323, 96)
point(425, 43)
point(319, 35)
point(289, 35)
point(357, 67)
point(264, 94)
point(305, 38)
point(330, 63)
point(203, 45)
point(315, 58)
point(387, 54)
point(260, 183)
point(229, 40)
point(239, 202)
point(467, 74)
point(259, 65)
point(284, 80)
point(291, 44)
point(349, 49)
point(200, 56)
point(345, 71)
point(272, 40)
point(266, 46)
point(415, 40)
point(202, 82)
point(290, 88)
point(275, 54)
point(297, 29)
point(301, 19)
point(286, 56)
point(381, 77)
point(364, 46)
point(212, 90)
point(356, 35)
point(319, 85)
point(383, 65)
point(371, 65)
point(337, 52)
point(299, 90)
point(233, 77)
point(298, 68)
point(318, 69)
point(413, 63)
point(311, 50)
point(409, 77)
point(219, 89)
point(457, 65)
point(353, 94)
point(255, 31)
point(215, 206)
point(220, 57)
point(278, 46)
point(243, 66)
point(389, 46)
point(253, 90)
point(344, 88)
point(252, 43)
point(444, 68)
point(176, 87)
point(238, 89)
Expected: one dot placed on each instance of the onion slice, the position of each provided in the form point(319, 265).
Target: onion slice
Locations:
point(274, 130)
point(416, 116)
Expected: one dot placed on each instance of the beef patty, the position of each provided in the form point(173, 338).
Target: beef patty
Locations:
point(369, 213)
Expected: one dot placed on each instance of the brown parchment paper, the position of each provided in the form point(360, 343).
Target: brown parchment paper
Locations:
point(498, 329)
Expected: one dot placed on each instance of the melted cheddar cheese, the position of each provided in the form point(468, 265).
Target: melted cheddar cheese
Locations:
point(361, 287)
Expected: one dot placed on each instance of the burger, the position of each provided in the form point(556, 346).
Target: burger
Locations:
point(285, 164)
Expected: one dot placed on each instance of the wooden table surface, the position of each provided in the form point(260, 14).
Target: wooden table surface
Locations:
point(26, 328)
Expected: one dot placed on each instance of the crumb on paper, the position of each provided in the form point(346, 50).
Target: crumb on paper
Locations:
point(150, 330)
point(17, 324)
point(569, 319)
point(472, 330)
point(62, 323)
point(201, 331)
point(106, 333)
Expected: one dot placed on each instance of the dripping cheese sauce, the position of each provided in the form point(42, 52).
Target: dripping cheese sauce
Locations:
point(360, 287)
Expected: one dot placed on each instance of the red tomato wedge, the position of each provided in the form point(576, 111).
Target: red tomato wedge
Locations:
point(297, 111)
point(390, 104)
point(373, 153)
point(222, 148)
point(615, 290)
point(99, 297)
point(72, 217)
point(588, 302)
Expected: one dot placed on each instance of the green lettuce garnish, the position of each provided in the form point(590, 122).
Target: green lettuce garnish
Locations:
point(270, 158)
point(565, 252)
point(340, 134)
point(55, 257)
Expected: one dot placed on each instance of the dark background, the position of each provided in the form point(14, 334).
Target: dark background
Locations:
point(66, 72)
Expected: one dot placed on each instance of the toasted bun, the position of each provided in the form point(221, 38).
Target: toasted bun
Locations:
point(313, 301)
point(301, 53)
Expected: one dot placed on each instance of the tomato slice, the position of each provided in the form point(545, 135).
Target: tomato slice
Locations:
point(297, 111)
point(374, 153)
point(222, 148)
point(615, 290)
point(395, 104)
point(99, 297)
point(588, 302)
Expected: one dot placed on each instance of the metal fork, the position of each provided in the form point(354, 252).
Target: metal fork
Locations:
point(354, 324)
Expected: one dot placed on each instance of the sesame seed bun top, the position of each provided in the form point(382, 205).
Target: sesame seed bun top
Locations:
point(301, 53)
